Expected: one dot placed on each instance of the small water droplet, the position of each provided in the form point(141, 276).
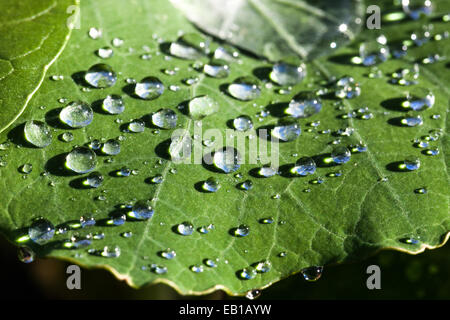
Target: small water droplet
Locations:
point(77, 114)
point(136, 126)
point(253, 294)
point(373, 52)
point(26, 168)
point(304, 166)
point(158, 269)
point(412, 121)
point(312, 273)
point(246, 185)
point(247, 273)
point(105, 52)
point(263, 266)
point(421, 191)
point(286, 131)
point(95, 33)
point(111, 252)
point(288, 74)
point(113, 104)
point(168, 254)
point(217, 69)
point(419, 99)
point(25, 254)
point(241, 231)
point(127, 234)
point(197, 268)
point(412, 163)
point(149, 88)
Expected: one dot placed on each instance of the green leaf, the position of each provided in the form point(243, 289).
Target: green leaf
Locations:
point(277, 29)
point(344, 218)
point(33, 34)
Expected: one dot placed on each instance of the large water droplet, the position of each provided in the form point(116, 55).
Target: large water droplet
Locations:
point(37, 133)
point(101, 76)
point(245, 88)
point(227, 159)
point(412, 163)
point(81, 160)
point(202, 106)
point(304, 105)
point(189, 46)
point(77, 114)
point(137, 126)
point(41, 231)
point(165, 119)
point(149, 88)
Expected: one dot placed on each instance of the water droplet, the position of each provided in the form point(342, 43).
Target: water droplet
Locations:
point(412, 121)
point(288, 74)
point(406, 76)
point(95, 33)
point(241, 231)
point(286, 131)
point(412, 163)
point(77, 114)
point(127, 234)
point(227, 160)
point(111, 147)
point(340, 155)
point(304, 105)
point(263, 266)
point(67, 137)
point(87, 221)
point(185, 228)
point(211, 185)
point(41, 231)
point(136, 126)
point(118, 219)
point(312, 273)
point(432, 152)
point(157, 179)
point(165, 119)
point(101, 76)
point(243, 123)
point(217, 69)
point(227, 53)
point(37, 133)
point(304, 166)
point(94, 180)
point(245, 88)
point(189, 46)
point(117, 42)
point(149, 88)
point(267, 171)
point(347, 88)
point(421, 191)
point(266, 220)
point(419, 99)
point(197, 268)
point(247, 273)
point(168, 254)
point(415, 8)
point(210, 263)
point(373, 52)
point(142, 210)
point(180, 147)
point(26, 168)
point(111, 252)
point(113, 104)
point(253, 294)
point(158, 269)
point(202, 106)
point(81, 160)
point(246, 185)
point(25, 254)
point(105, 52)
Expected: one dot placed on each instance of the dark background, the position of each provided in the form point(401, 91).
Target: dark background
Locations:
point(403, 276)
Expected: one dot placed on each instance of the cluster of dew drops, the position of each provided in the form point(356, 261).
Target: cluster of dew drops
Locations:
point(285, 74)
